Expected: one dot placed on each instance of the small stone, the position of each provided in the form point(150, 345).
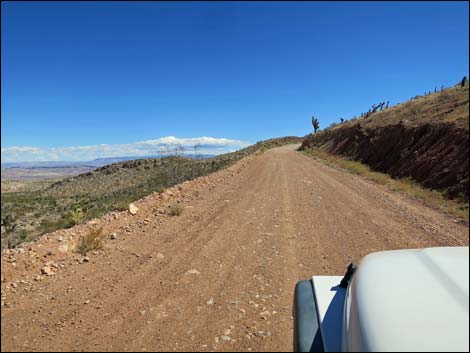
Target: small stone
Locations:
point(193, 272)
point(63, 249)
point(133, 209)
point(265, 314)
point(210, 301)
point(86, 259)
point(225, 338)
point(226, 332)
point(160, 256)
point(113, 236)
point(46, 270)
point(87, 302)
point(52, 264)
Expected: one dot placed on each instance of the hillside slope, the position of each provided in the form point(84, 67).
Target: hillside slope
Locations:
point(153, 173)
point(109, 188)
point(425, 139)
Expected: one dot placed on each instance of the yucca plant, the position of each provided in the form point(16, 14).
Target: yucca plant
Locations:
point(76, 216)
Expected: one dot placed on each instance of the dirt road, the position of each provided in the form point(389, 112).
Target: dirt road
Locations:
point(221, 276)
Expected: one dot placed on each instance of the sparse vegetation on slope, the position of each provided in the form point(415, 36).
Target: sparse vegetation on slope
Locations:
point(112, 187)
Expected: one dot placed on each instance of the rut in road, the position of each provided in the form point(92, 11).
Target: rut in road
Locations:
point(229, 266)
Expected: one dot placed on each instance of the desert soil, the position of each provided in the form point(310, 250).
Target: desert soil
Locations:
point(219, 277)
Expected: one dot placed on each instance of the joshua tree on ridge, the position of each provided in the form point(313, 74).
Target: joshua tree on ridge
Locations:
point(316, 124)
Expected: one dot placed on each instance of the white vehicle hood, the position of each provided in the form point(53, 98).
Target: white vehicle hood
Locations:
point(409, 300)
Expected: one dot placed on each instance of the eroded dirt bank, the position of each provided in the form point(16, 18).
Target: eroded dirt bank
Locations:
point(220, 276)
point(435, 155)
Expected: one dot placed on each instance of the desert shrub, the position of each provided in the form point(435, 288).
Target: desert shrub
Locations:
point(48, 225)
point(175, 209)
point(23, 235)
point(158, 181)
point(75, 216)
point(9, 223)
point(121, 205)
point(93, 240)
point(160, 189)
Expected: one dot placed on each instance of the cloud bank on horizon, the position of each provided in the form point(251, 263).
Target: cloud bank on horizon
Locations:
point(206, 145)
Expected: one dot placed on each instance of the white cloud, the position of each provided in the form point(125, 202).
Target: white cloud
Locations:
point(21, 149)
point(208, 145)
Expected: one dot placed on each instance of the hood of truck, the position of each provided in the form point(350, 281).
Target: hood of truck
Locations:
point(409, 300)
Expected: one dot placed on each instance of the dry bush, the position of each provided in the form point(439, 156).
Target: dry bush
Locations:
point(175, 209)
point(93, 240)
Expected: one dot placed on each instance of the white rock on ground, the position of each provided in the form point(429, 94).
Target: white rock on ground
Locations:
point(193, 272)
point(63, 249)
point(133, 209)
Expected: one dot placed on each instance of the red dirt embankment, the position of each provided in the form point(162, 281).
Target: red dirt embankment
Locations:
point(435, 155)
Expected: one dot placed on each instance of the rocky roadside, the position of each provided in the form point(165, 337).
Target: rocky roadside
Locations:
point(31, 262)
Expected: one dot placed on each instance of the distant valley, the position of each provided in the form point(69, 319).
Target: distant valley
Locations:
point(61, 169)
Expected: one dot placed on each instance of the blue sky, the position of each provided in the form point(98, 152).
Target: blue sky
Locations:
point(90, 74)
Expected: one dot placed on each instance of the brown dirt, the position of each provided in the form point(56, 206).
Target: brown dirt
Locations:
point(250, 232)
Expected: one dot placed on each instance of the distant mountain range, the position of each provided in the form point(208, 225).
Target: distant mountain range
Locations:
point(95, 163)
